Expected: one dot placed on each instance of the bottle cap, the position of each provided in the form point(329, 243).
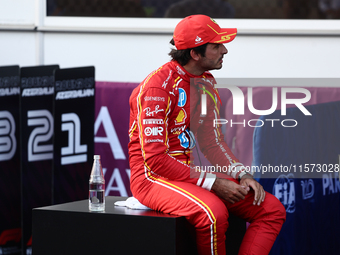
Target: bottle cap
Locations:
point(96, 157)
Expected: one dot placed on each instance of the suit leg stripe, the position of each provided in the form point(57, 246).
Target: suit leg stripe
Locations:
point(213, 237)
point(200, 204)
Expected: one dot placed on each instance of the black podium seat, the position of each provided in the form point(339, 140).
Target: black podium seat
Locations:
point(71, 229)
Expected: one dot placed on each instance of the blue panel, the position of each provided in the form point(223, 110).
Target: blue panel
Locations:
point(312, 201)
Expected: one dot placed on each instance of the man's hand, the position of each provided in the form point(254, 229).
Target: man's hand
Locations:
point(249, 182)
point(229, 190)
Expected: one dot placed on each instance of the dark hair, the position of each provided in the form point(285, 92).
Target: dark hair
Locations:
point(183, 56)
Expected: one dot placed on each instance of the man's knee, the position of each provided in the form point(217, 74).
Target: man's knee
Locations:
point(275, 209)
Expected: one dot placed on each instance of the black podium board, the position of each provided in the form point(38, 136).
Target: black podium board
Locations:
point(71, 228)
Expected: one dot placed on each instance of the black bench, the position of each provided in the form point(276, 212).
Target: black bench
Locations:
point(71, 229)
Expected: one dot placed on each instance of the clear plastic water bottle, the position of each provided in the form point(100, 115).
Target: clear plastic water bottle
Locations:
point(97, 186)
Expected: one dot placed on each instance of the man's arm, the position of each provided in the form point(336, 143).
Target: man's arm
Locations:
point(215, 149)
point(211, 139)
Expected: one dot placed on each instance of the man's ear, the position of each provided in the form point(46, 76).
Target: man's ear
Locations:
point(194, 55)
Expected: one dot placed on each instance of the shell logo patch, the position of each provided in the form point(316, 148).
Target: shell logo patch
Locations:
point(181, 117)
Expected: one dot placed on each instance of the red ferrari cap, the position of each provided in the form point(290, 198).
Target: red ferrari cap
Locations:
point(196, 30)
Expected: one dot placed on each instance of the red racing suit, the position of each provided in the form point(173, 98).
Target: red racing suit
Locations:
point(165, 121)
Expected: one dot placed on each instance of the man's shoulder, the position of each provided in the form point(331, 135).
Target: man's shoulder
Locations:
point(161, 80)
point(208, 80)
point(161, 77)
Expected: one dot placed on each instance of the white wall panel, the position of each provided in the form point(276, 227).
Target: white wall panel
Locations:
point(132, 57)
point(17, 12)
point(18, 48)
point(120, 51)
point(128, 58)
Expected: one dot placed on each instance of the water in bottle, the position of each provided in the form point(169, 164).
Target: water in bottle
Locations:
point(97, 186)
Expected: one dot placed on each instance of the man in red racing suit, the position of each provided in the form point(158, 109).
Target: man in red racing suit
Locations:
point(166, 120)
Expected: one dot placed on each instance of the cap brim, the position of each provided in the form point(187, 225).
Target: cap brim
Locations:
point(225, 35)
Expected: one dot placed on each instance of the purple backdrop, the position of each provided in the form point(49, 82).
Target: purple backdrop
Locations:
point(111, 134)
